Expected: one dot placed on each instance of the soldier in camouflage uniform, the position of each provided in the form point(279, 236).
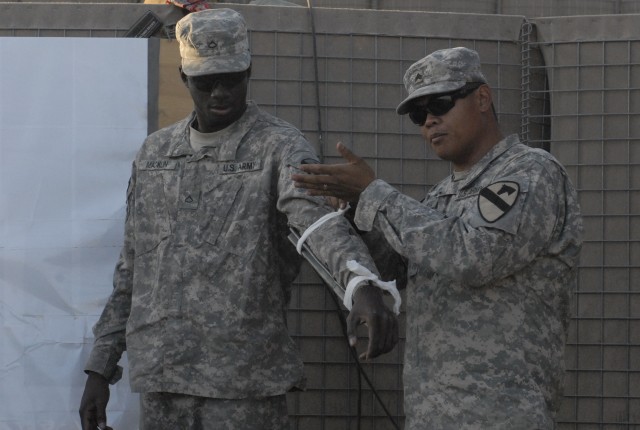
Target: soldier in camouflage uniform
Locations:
point(488, 257)
point(203, 281)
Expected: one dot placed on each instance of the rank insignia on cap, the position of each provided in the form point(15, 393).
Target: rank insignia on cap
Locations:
point(497, 199)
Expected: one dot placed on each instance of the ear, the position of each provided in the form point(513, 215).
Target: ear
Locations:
point(183, 77)
point(485, 98)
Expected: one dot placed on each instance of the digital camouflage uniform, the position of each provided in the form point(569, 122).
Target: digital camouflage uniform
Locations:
point(203, 281)
point(491, 267)
point(181, 412)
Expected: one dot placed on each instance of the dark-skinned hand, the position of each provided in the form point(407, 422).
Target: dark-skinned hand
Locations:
point(369, 308)
point(93, 406)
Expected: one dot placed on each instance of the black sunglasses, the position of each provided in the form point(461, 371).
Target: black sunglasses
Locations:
point(441, 104)
point(206, 83)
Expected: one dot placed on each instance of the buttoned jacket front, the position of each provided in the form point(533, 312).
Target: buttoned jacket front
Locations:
point(203, 281)
point(490, 265)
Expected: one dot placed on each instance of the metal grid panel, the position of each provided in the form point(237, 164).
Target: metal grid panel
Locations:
point(593, 90)
point(360, 85)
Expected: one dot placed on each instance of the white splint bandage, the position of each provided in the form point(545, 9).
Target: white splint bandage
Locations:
point(364, 274)
point(313, 227)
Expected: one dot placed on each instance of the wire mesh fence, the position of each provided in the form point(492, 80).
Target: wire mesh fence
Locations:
point(594, 110)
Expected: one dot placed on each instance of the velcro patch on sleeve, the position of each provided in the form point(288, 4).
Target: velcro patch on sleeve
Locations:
point(497, 199)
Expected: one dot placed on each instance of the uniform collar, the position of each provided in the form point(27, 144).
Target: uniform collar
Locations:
point(229, 138)
point(496, 151)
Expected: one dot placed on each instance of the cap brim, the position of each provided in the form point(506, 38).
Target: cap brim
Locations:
point(216, 65)
point(437, 88)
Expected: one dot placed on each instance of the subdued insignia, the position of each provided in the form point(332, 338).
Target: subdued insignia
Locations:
point(158, 165)
point(189, 200)
point(497, 199)
point(241, 167)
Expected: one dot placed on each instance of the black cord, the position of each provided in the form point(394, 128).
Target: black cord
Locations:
point(317, 82)
point(354, 354)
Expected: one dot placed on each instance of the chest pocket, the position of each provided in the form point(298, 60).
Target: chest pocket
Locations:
point(218, 202)
point(236, 213)
point(152, 216)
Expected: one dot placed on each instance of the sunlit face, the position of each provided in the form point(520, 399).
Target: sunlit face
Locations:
point(219, 99)
point(454, 135)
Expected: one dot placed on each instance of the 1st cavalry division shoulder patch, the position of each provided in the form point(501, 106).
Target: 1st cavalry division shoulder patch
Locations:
point(497, 199)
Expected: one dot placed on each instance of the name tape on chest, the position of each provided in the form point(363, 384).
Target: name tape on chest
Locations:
point(158, 165)
point(497, 199)
point(241, 167)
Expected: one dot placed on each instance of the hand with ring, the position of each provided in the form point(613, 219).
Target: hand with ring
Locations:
point(347, 180)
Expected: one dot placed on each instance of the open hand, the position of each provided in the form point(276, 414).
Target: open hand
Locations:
point(343, 181)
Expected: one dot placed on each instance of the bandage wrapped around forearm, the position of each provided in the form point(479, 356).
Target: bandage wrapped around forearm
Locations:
point(363, 274)
point(313, 227)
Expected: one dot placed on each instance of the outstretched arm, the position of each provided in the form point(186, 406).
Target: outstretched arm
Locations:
point(344, 181)
point(335, 243)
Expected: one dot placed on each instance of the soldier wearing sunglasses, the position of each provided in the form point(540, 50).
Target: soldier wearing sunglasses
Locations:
point(488, 257)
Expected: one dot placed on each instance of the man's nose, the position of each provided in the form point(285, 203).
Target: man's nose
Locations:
point(217, 88)
point(431, 119)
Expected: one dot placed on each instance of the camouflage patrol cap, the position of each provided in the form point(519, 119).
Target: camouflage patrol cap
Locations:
point(213, 41)
point(440, 72)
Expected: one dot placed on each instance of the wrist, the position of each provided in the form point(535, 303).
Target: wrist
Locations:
point(95, 375)
point(366, 290)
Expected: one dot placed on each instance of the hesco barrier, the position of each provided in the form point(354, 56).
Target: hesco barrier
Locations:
point(592, 66)
point(570, 85)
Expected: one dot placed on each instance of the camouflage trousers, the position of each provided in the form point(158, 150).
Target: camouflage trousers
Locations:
point(168, 411)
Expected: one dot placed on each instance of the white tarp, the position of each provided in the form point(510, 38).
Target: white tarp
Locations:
point(73, 112)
